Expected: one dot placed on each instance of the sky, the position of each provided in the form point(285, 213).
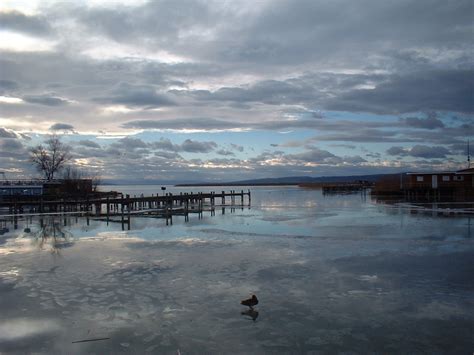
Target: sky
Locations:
point(227, 90)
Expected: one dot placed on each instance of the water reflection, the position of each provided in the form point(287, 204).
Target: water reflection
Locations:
point(251, 313)
point(337, 273)
point(52, 233)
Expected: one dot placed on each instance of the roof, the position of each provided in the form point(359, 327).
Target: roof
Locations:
point(432, 173)
point(469, 171)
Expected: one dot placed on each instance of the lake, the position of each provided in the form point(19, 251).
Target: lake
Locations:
point(333, 274)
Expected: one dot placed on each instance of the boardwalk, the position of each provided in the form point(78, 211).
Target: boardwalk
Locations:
point(109, 208)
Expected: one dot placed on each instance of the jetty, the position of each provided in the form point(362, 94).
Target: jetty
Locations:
point(340, 187)
point(121, 208)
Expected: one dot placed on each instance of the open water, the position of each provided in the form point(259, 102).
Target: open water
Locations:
point(334, 274)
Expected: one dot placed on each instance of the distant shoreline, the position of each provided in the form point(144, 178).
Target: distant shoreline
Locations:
point(236, 184)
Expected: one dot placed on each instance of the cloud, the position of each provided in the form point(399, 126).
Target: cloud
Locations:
point(237, 147)
point(191, 146)
point(7, 85)
point(315, 155)
point(168, 155)
point(46, 100)
point(165, 144)
point(356, 159)
point(396, 151)
point(6, 133)
point(420, 151)
point(19, 22)
point(225, 152)
point(430, 122)
point(271, 92)
point(88, 143)
point(11, 145)
point(438, 90)
point(197, 123)
point(129, 144)
point(61, 127)
point(162, 66)
point(137, 96)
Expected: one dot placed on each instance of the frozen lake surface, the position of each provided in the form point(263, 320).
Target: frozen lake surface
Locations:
point(332, 273)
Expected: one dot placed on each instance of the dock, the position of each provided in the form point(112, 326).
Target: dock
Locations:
point(122, 208)
point(339, 187)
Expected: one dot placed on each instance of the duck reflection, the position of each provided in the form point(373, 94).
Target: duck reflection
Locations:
point(251, 313)
point(52, 234)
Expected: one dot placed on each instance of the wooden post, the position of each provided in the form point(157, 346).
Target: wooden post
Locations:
point(128, 210)
point(122, 210)
point(108, 210)
point(200, 205)
point(186, 211)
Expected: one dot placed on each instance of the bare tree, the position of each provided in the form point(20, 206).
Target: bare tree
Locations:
point(51, 157)
point(72, 173)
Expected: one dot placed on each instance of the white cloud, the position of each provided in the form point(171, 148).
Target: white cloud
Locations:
point(11, 100)
point(16, 42)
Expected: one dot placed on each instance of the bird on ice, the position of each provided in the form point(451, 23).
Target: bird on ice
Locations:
point(251, 302)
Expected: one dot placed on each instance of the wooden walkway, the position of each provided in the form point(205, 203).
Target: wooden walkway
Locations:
point(157, 206)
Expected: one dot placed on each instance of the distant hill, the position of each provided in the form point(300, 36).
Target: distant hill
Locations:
point(294, 180)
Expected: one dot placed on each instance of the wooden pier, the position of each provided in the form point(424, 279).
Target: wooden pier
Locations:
point(339, 187)
point(124, 207)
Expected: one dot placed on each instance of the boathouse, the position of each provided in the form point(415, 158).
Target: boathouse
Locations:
point(439, 180)
point(432, 186)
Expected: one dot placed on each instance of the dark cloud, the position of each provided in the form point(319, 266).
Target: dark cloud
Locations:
point(356, 159)
point(271, 92)
point(439, 90)
point(61, 127)
point(168, 155)
point(430, 122)
point(361, 134)
point(237, 147)
point(155, 22)
point(137, 96)
point(225, 152)
point(374, 155)
point(315, 155)
point(396, 151)
point(281, 33)
point(198, 123)
point(129, 144)
point(11, 145)
point(461, 148)
point(191, 146)
point(7, 133)
point(423, 151)
point(420, 151)
point(88, 143)
point(18, 22)
point(7, 85)
point(165, 144)
point(46, 100)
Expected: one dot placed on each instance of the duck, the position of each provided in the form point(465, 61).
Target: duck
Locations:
point(251, 302)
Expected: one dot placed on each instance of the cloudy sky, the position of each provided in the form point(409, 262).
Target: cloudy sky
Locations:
point(227, 90)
